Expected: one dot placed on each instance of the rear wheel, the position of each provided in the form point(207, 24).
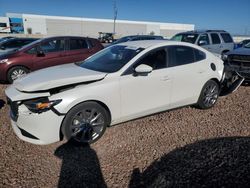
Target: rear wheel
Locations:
point(85, 123)
point(209, 95)
point(16, 72)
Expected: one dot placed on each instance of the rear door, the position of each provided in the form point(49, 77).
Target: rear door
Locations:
point(228, 41)
point(216, 43)
point(77, 49)
point(51, 53)
point(189, 73)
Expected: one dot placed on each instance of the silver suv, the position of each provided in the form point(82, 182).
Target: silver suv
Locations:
point(215, 41)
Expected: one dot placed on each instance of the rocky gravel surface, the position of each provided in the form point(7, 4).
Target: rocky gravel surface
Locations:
point(186, 147)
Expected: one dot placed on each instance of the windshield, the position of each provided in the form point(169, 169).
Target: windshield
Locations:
point(185, 37)
point(110, 59)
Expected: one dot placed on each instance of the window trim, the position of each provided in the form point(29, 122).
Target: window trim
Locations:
point(127, 71)
point(194, 56)
point(212, 39)
point(38, 47)
point(86, 41)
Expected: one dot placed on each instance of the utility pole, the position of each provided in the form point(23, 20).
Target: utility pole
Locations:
point(115, 14)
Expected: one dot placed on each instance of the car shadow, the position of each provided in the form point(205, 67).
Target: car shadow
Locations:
point(222, 162)
point(80, 167)
point(2, 103)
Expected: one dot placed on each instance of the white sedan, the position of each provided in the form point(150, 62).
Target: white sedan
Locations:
point(120, 83)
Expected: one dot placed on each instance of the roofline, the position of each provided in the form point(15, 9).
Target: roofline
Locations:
point(180, 25)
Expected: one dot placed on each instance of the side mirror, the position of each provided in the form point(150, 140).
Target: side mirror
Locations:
point(143, 69)
point(202, 43)
point(40, 53)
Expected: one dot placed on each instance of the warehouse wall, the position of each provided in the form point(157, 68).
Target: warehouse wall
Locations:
point(169, 33)
point(124, 29)
point(34, 25)
point(91, 29)
point(64, 27)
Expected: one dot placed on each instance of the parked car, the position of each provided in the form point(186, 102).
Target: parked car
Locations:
point(239, 61)
point(138, 37)
point(14, 43)
point(120, 83)
point(215, 41)
point(6, 38)
point(106, 37)
point(45, 53)
point(242, 43)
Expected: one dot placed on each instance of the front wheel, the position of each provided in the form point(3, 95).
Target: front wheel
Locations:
point(209, 95)
point(16, 72)
point(85, 123)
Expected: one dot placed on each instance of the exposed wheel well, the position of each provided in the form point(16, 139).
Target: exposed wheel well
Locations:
point(217, 81)
point(99, 102)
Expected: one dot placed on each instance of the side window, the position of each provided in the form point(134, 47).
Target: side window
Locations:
point(199, 55)
point(215, 38)
point(53, 46)
point(180, 55)
point(75, 44)
point(32, 51)
point(156, 59)
point(91, 43)
point(226, 37)
point(203, 40)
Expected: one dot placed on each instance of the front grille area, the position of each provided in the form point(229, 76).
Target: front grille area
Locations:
point(13, 109)
point(240, 58)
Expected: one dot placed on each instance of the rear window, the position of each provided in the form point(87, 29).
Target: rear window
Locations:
point(215, 38)
point(226, 37)
point(76, 44)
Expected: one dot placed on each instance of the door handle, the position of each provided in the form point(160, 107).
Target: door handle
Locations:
point(165, 78)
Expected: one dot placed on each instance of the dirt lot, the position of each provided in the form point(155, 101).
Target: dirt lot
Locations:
point(182, 148)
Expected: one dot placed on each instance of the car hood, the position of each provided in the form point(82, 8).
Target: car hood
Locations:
point(7, 51)
point(58, 76)
point(240, 51)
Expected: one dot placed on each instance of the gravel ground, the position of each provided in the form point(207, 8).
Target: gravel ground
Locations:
point(186, 147)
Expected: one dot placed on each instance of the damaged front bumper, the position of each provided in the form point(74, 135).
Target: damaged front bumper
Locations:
point(233, 77)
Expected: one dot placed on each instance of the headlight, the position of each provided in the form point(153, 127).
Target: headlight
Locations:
point(40, 105)
point(4, 61)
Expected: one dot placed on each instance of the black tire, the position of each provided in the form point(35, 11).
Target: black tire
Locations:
point(16, 72)
point(209, 95)
point(77, 126)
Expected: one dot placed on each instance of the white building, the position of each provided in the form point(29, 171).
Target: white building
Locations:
point(58, 25)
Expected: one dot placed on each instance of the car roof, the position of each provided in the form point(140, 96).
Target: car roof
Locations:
point(202, 31)
point(132, 36)
point(152, 43)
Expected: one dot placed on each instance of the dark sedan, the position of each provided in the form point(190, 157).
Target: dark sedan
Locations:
point(239, 60)
point(14, 43)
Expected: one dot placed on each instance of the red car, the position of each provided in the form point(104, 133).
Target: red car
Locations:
point(46, 52)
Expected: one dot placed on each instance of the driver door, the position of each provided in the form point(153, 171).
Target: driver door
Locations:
point(145, 94)
point(52, 53)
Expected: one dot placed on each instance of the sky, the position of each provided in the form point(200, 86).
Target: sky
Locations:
point(230, 15)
